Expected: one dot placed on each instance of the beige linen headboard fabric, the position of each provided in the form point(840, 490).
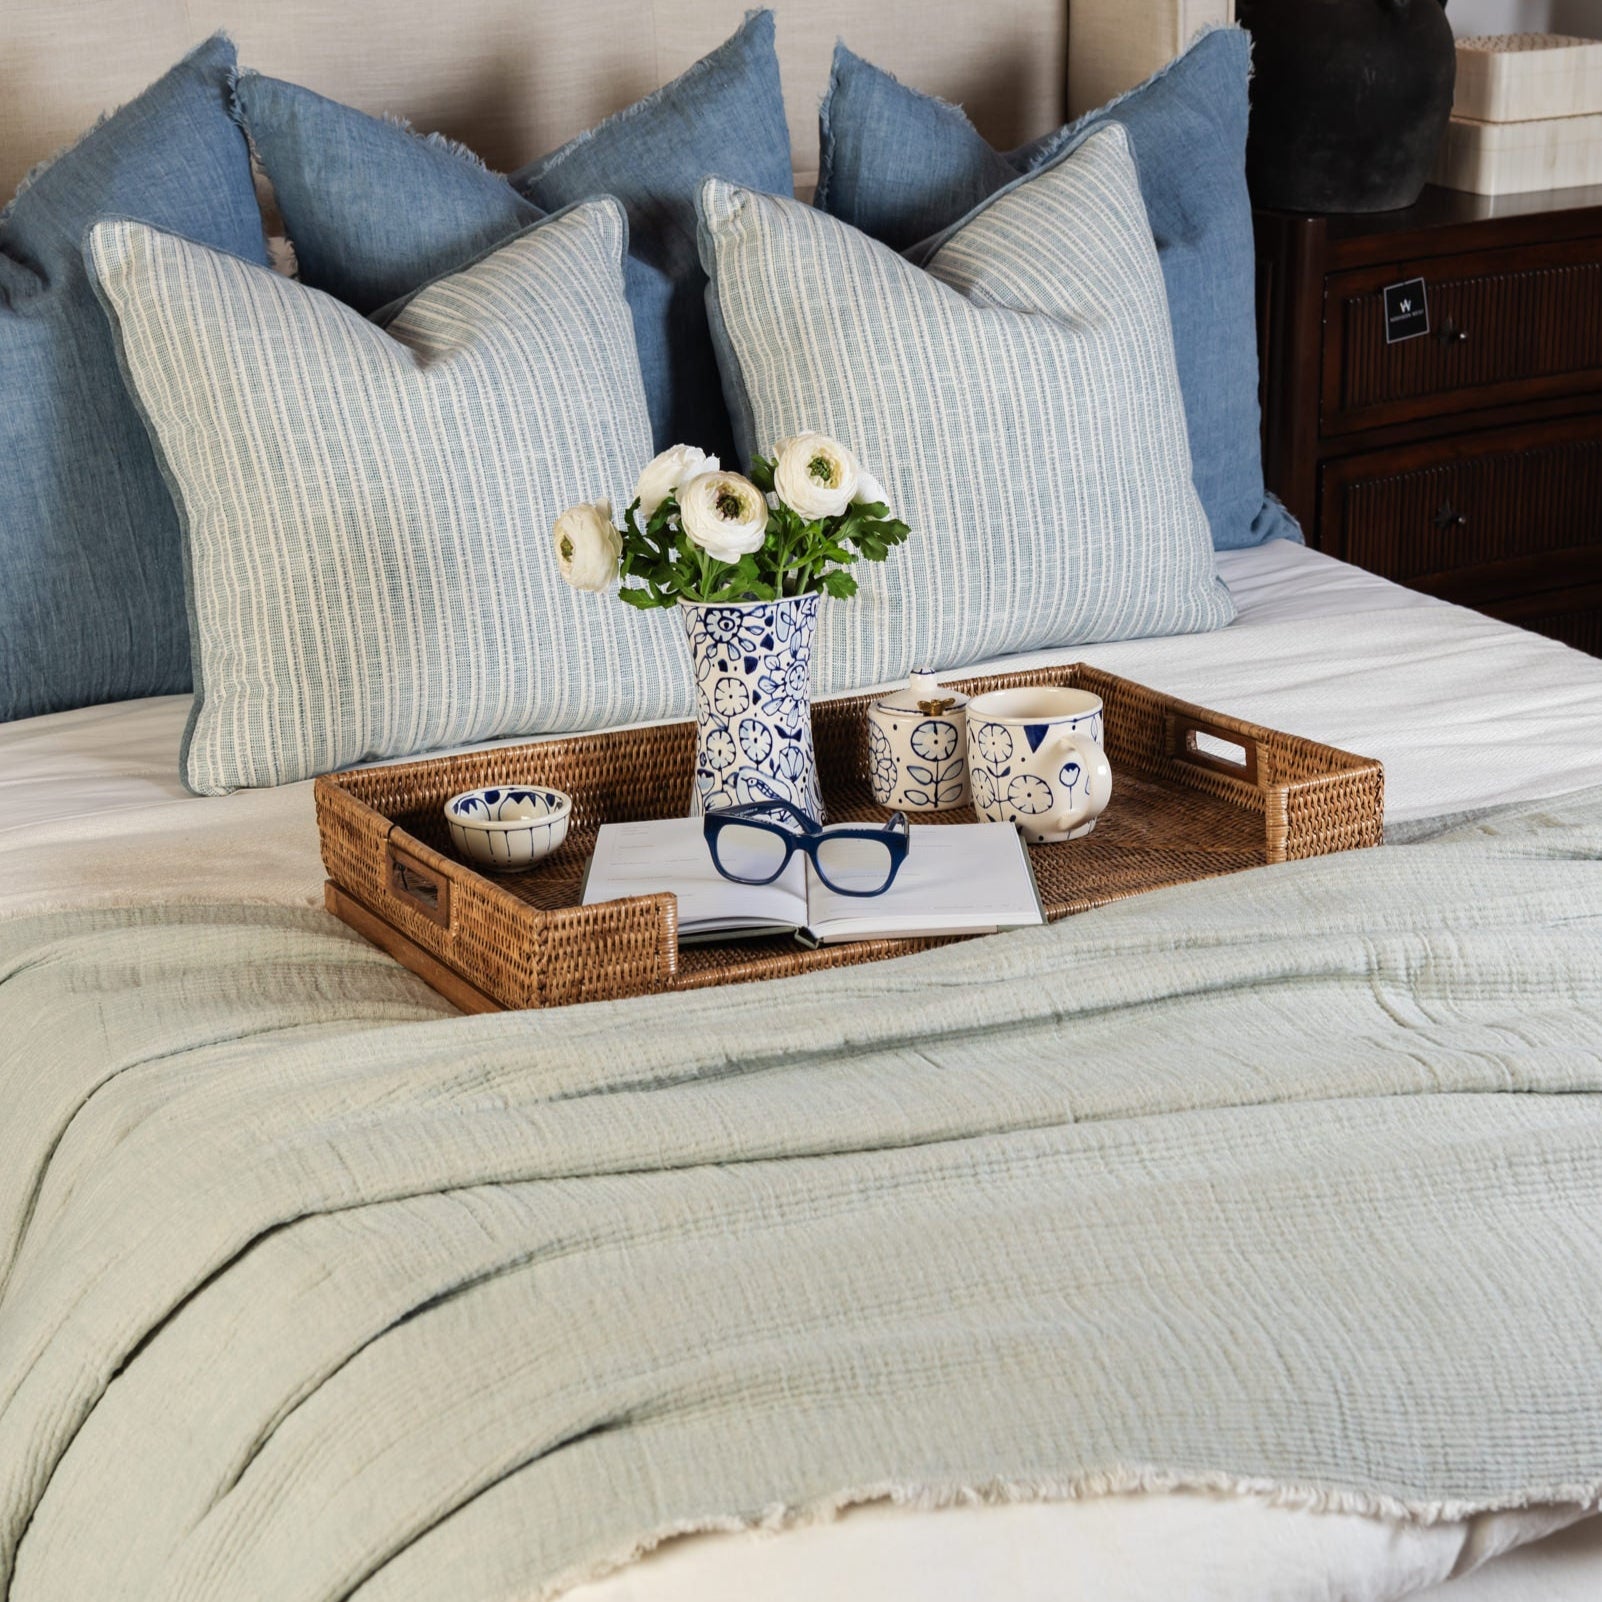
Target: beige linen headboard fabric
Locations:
point(515, 78)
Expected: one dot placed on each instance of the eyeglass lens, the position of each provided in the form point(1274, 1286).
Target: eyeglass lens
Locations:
point(747, 853)
point(852, 865)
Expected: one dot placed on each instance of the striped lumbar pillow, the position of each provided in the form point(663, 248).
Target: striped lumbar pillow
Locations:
point(1017, 396)
point(367, 510)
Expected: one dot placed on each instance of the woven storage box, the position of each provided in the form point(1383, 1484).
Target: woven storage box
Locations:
point(1517, 158)
point(1523, 77)
point(1194, 794)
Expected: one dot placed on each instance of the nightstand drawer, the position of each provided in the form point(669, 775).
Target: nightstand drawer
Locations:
point(1481, 518)
point(1505, 326)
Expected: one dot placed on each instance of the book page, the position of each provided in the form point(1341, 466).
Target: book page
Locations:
point(959, 878)
point(640, 859)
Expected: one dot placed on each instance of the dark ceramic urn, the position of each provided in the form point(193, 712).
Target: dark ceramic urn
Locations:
point(1350, 99)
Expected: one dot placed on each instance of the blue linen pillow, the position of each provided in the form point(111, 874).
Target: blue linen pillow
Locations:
point(903, 166)
point(92, 598)
point(374, 210)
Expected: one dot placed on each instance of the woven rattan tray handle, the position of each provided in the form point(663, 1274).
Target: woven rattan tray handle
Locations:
point(1185, 727)
point(419, 886)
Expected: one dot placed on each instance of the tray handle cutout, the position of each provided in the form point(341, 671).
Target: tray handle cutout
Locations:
point(1207, 745)
point(420, 887)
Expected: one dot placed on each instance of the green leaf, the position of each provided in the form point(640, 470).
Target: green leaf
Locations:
point(658, 528)
point(876, 536)
point(840, 585)
point(745, 590)
point(761, 473)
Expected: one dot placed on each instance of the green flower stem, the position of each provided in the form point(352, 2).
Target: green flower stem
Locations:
point(784, 547)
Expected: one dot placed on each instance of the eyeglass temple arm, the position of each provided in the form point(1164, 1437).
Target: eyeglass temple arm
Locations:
point(775, 799)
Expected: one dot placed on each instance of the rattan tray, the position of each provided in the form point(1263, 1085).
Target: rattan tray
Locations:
point(1194, 794)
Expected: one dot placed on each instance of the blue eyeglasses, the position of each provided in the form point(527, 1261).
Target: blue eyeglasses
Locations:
point(753, 844)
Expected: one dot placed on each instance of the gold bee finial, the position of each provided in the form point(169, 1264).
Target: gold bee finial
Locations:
point(927, 697)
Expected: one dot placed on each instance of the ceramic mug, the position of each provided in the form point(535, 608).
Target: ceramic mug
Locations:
point(1035, 759)
point(917, 747)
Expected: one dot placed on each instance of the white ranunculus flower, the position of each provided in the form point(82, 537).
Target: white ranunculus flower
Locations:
point(815, 476)
point(668, 473)
point(870, 491)
point(588, 548)
point(725, 514)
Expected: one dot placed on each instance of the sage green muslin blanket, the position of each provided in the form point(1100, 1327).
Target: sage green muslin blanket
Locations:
point(1291, 1180)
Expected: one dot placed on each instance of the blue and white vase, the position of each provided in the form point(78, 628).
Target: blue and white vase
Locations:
point(753, 701)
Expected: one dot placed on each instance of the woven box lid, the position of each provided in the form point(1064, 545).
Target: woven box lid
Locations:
point(1522, 77)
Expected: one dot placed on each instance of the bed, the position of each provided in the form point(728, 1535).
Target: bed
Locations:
point(131, 905)
point(1381, 673)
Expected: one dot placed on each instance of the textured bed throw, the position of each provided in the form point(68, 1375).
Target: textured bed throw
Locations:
point(311, 1291)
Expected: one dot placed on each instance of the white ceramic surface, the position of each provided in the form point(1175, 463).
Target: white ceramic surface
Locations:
point(508, 827)
point(1035, 759)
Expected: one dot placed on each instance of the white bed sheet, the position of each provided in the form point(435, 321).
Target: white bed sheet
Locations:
point(1463, 711)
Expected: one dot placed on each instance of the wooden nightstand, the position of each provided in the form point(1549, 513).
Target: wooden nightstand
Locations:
point(1466, 462)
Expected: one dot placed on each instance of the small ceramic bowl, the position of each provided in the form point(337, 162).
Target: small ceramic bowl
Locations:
point(508, 827)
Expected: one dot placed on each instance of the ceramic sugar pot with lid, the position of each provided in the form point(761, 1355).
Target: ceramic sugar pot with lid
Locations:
point(918, 747)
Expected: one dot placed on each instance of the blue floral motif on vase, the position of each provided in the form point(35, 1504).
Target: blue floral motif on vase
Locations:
point(753, 701)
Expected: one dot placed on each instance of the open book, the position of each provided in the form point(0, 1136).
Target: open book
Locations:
point(959, 878)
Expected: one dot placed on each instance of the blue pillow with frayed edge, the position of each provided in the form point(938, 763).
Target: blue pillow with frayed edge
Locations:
point(92, 604)
point(904, 168)
point(374, 209)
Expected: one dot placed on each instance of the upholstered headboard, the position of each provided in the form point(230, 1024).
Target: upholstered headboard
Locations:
point(514, 78)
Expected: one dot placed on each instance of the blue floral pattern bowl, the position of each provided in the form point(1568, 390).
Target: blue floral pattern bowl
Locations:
point(508, 827)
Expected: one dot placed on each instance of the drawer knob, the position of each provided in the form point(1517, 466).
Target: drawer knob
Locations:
point(1450, 517)
point(1450, 334)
